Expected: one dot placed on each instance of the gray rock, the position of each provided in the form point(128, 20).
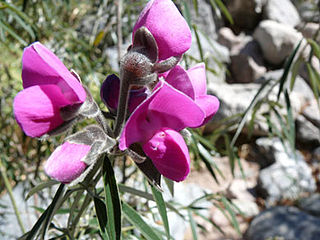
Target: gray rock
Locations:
point(288, 177)
point(300, 88)
point(287, 222)
point(214, 53)
point(316, 154)
point(307, 132)
point(203, 18)
point(276, 40)
point(245, 13)
point(282, 11)
point(309, 30)
point(235, 99)
point(308, 10)
point(311, 112)
point(246, 57)
point(311, 204)
point(9, 227)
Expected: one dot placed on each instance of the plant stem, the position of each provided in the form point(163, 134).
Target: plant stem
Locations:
point(122, 107)
point(119, 27)
point(9, 189)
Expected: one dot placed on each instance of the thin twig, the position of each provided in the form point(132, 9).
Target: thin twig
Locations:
point(9, 189)
point(119, 27)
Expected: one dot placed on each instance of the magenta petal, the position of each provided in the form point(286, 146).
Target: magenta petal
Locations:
point(166, 107)
point(209, 104)
point(41, 66)
point(179, 79)
point(168, 27)
point(36, 109)
point(169, 153)
point(198, 78)
point(65, 163)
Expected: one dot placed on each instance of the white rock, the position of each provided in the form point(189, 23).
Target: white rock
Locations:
point(276, 40)
point(282, 11)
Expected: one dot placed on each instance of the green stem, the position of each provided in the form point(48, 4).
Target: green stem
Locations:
point(122, 107)
point(9, 189)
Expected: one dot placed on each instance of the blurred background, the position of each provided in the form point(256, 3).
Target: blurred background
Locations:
point(255, 167)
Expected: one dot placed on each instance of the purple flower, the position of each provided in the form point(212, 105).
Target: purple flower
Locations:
point(193, 83)
point(109, 94)
point(66, 162)
point(48, 87)
point(168, 27)
point(155, 125)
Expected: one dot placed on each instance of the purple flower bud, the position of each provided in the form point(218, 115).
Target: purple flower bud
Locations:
point(66, 163)
point(109, 94)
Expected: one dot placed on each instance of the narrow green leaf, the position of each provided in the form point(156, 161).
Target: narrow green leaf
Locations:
point(45, 215)
point(315, 47)
point(30, 235)
point(186, 13)
point(295, 72)
point(13, 33)
point(205, 158)
point(292, 130)
point(195, 5)
point(230, 152)
point(112, 200)
point(206, 154)
point(247, 112)
point(229, 209)
point(148, 196)
point(101, 212)
point(209, 221)
point(98, 38)
point(52, 208)
point(198, 42)
point(192, 225)
point(136, 220)
point(39, 187)
point(170, 185)
point(287, 67)
point(313, 81)
point(162, 209)
point(224, 10)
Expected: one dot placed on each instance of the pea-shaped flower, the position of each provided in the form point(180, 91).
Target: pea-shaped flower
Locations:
point(193, 83)
point(156, 123)
point(168, 27)
point(48, 88)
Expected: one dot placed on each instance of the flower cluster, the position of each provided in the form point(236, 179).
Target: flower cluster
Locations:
point(152, 100)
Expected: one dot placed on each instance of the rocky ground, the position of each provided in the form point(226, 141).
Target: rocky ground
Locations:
point(279, 195)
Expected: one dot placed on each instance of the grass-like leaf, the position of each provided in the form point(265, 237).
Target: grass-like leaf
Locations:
point(136, 220)
point(315, 47)
point(193, 225)
point(224, 10)
point(101, 212)
point(112, 200)
point(162, 209)
point(290, 120)
point(40, 186)
point(287, 67)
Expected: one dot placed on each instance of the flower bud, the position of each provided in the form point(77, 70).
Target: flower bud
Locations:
point(109, 93)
